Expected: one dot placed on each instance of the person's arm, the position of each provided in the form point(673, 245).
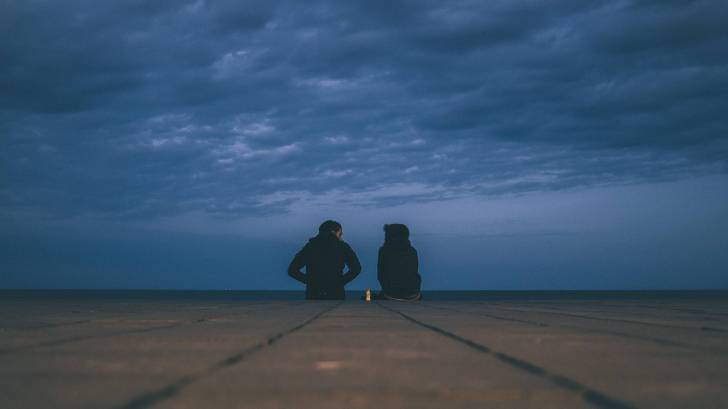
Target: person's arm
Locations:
point(298, 262)
point(352, 261)
point(417, 269)
point(380, 268)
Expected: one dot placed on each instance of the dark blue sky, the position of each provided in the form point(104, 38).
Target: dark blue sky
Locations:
point(529, 145)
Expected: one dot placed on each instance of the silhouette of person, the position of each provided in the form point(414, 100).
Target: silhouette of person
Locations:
point(397, 266)
point(324, 257)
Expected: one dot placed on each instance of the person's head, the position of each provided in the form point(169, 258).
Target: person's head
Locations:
point(333, 227)
point(395, 232)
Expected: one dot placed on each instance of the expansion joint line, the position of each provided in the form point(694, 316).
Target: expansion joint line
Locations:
point(152, 398)
point(63, 341)
point(627, 321)
point(588, 394)
point(654, 340)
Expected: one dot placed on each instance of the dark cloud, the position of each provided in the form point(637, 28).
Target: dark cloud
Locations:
point(140, 109)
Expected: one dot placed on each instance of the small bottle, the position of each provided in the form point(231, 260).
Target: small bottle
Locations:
point(368, 295)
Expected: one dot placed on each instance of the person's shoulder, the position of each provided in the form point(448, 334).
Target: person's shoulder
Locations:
point(308, 244)
point(346, 247)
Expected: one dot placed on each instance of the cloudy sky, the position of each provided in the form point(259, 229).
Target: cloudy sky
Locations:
point(528, 144)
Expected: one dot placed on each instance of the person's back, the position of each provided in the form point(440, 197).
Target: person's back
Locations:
point(324, 257)
point(397, 266)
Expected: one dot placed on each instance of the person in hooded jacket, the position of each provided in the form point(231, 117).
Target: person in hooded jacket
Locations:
point(397, 266)
point(324, 257)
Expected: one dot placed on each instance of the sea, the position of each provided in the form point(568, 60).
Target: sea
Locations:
point(276, 295)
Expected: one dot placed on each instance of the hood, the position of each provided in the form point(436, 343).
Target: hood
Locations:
point(397, 243)
point(323, 238)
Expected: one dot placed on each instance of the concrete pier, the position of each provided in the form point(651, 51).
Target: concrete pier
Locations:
point(133, 354)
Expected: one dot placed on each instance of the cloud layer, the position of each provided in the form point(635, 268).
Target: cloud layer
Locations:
point(139, 109)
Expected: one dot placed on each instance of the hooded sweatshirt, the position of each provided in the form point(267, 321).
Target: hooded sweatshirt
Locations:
point(324, 257)
point(397, 268)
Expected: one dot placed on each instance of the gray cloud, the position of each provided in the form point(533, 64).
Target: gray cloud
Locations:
point(141, 109)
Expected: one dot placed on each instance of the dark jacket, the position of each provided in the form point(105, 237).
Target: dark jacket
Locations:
point(324, 257)
point(397, 269)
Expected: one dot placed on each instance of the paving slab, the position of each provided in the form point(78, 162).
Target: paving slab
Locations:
point(133, 354)
point(631, 369)
point(359, 356)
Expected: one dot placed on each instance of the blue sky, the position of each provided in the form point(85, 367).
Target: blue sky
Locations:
point(529, 145)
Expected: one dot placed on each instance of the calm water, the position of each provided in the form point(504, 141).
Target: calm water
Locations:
point(355, 295)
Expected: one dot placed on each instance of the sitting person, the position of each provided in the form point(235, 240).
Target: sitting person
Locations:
point(397, 266)
point(324, 257)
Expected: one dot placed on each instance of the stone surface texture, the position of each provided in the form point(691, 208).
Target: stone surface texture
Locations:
point(132, 354)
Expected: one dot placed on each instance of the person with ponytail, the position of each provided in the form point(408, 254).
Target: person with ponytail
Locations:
point(397, 266)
